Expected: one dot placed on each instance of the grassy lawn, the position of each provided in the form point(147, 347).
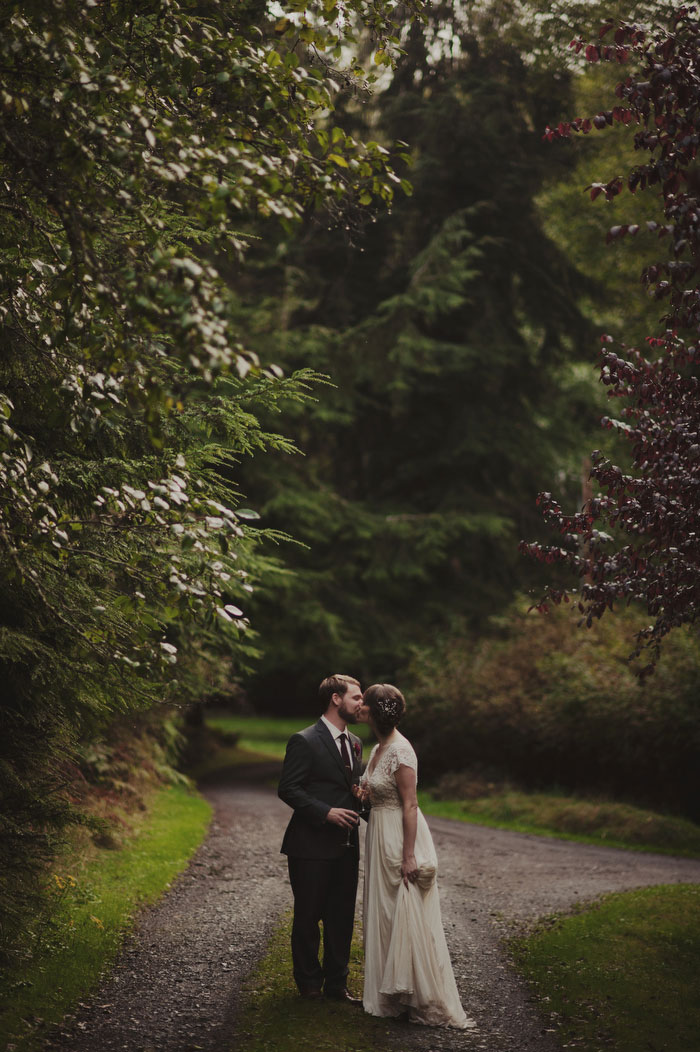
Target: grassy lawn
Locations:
point(275, 1017)
point(622, 974)
point(92, 897)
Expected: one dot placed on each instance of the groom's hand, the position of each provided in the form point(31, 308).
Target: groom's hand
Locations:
point(343, 816)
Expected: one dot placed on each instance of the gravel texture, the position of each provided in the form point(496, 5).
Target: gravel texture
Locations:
point(176, 985)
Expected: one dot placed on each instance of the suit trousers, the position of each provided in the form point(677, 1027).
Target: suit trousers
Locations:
point(324, 891)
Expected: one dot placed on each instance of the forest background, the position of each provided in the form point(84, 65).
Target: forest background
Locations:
point(287, 357)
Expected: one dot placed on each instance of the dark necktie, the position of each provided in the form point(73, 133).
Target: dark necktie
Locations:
point(344, 751)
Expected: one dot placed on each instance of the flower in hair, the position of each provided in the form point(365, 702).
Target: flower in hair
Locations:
point(390, 707)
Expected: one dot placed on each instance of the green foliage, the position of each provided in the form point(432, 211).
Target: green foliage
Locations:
point(547, 706)
point(136, 140)
point(91, 785)
point(621, 972)
point(90, 899)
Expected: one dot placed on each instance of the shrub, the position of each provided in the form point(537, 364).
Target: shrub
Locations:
point(541, 703)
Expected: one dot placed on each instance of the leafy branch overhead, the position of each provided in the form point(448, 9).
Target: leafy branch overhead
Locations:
point(652, 554)
point(134, 142)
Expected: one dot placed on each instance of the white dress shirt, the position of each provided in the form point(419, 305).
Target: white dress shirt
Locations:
point(336, 732)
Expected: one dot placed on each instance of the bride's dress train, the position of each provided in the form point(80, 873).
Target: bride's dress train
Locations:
point(407, 963)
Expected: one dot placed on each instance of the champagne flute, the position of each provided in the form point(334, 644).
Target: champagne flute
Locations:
point(348, 833)
point(359, 794)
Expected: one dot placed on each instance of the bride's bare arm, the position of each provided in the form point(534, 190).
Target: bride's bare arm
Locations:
point(406, 784)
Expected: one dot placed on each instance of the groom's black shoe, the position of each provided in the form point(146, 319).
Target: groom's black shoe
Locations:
point(343, 994)
point(311, 994)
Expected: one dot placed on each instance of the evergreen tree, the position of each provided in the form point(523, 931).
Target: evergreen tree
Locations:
point(448, 329)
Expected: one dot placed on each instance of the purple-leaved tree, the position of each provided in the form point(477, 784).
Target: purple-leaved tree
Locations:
point(638, 538)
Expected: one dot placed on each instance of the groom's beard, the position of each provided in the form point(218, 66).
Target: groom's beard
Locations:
point(345, 714)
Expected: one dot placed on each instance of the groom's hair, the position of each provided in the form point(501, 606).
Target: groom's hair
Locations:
point(334, 685)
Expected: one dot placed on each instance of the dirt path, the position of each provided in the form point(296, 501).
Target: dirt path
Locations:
point(175, 987)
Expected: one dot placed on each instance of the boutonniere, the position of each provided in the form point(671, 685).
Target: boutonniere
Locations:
point(358, 749)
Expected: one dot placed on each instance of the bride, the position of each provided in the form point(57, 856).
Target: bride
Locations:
point(407, 963)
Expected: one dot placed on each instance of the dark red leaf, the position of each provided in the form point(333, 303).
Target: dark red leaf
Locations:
point(654, 507)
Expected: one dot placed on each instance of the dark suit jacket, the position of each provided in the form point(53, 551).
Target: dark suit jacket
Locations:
point(314, 779)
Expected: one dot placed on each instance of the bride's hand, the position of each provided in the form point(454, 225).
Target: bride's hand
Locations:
point(361, 792)
point(409, 870)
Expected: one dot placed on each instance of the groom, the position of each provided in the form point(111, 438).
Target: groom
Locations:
point(322, 841)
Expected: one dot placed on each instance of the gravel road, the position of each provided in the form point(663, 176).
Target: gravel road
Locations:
point(175, 987)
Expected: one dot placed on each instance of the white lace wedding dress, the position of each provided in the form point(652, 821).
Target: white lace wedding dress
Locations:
point(407, 963)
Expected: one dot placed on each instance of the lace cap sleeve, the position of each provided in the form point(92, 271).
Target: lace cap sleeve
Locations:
point(402, 754)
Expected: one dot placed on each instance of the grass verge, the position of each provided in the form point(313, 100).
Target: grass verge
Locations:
point(91, 899)
point(621, 974)
point(221, 757)
point(269, 734)
point(275, 1017)
point(606, 823)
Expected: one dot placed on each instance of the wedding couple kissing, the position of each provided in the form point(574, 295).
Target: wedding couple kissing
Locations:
point(407, 965)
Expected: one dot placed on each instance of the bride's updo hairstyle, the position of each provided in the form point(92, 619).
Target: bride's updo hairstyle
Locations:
point(386, 706)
